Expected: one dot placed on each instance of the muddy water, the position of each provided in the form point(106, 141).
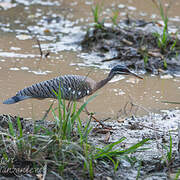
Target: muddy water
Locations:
point(22, 66)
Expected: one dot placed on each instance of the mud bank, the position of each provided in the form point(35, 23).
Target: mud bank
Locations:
point(148, 163)
point(135, 43)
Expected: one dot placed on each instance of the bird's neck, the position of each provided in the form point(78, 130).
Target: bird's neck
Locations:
point(101, 83)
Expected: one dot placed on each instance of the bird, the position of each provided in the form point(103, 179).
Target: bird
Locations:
point(72, 87)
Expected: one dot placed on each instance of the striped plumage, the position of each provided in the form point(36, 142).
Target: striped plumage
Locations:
point(73, 87)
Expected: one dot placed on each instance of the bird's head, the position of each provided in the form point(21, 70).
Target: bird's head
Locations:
point(123, 70)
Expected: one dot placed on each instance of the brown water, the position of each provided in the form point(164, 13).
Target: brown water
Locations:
point(21, 65)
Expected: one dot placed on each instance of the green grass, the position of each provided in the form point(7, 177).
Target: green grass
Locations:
point(96, 13)
point(63, 149)
point(162, 39)
point(167, 157)
point(170, 102)
point(115, 17)
point(139, 169)
point(177, 175)
point(144, 52)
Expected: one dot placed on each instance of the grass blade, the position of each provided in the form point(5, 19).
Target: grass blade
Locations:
point(170, 102)
point(19, 127)
point(82, 107)
point(11, 129)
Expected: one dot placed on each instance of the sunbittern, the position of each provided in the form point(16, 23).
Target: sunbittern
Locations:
point(73, 87)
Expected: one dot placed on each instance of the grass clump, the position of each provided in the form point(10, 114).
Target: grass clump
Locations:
point(61, 148)
point(164, 39)
point(130, 42)
point(96, 13)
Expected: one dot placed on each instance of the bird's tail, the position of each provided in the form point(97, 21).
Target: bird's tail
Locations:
point(15, 99)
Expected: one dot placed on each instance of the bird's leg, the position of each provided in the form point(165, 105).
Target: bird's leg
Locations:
point(90, 114)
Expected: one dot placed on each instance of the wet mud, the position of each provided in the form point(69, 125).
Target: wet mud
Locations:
point(134, 43)
point(157, 128)
point(150, 162)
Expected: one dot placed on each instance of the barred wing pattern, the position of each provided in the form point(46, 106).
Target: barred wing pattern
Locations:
point(73, 87)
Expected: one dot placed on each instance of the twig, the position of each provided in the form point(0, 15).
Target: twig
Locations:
point(111, 59)
point(154, 129)
point(39, 45)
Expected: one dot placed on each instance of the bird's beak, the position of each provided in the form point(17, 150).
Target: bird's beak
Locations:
point(136, 75)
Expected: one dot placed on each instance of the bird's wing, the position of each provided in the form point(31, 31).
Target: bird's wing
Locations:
point(44, 89)
point(73, 87)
